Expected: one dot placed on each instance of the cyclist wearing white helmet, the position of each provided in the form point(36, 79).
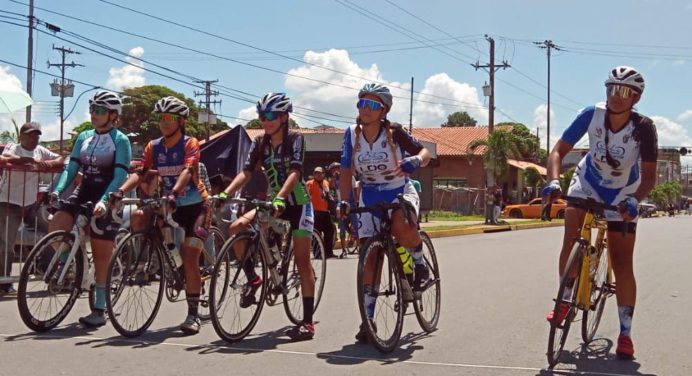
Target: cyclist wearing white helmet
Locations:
point(383, 155)
point(176, 158)
point(619, 169)
point(280, 153)
point(103, 155)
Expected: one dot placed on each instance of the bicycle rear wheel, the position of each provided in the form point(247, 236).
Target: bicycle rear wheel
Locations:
point(601, 285)
point(135, 284)
point(231, 321)
point(427, 308)
point(292, 297)
point(559, 330)
point(43, 300)
point(206, 267)
point(383, 320)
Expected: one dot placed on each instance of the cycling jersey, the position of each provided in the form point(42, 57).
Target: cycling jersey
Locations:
point(104, 160)
point(170, 163)
point(278, 164)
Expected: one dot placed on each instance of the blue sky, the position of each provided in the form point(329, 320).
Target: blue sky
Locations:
point(359, 41)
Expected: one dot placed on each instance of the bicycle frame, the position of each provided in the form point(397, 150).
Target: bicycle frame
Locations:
point(583, 296)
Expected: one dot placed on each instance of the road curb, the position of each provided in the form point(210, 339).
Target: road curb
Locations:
point(482, 229)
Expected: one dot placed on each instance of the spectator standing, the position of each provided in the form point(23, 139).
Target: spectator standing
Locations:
point(318, 189)
point(14, 200)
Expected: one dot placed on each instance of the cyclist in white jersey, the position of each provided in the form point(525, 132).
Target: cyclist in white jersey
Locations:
point(377, 150)
point(619, 169)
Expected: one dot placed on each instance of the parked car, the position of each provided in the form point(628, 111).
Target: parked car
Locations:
point(532, 209)
point(646, 210)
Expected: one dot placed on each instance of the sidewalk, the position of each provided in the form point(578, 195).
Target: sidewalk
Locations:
point(457, 228)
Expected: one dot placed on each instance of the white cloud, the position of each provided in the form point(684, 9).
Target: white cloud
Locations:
point(678, 62)
point(671, 133)
point(128, 75)
point(340, 98)
point(51, 131)
point(540, 120)
point(684, 117)
point(247, 113)
point(8, 82)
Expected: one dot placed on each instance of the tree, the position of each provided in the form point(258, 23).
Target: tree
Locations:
point(460, 119)
point(533, 178)
point(7, 137)
point(529, 143)
point(666, 193)
point(138, 106)
point(500, 146)
point(566, 179)
point(77, 130)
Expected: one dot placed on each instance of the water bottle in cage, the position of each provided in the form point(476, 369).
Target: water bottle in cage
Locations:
point(169, 241)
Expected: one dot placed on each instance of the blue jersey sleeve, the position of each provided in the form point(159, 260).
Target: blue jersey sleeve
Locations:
point(579, 126)
point(123, 157)
point(68, 175)
point(347, 150)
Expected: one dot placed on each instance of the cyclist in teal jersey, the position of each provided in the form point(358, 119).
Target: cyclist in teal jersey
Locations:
point(280, 153)
point(103, 155)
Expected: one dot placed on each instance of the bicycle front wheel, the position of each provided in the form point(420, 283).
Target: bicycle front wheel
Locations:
point(49, 285)
point(559, 330)
point(135, 284)
point(292, 297)
point(380, 298)
point(234, 311)
point(206, 267)
point(427, 308)
point(601, 285)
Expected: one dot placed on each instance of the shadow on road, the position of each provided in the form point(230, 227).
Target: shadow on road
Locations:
point(594, 358)
point(357, 353)
point(255, 343)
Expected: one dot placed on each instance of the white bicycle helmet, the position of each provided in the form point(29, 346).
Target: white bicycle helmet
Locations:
point(107, 99)
point(379, 91)
point(271, 102)
point(627, 76)
point(172, 105)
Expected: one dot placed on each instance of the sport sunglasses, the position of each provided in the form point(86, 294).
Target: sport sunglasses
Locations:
point(623, 91)
point(369, 103)
point(269, 115)
point(99, 110)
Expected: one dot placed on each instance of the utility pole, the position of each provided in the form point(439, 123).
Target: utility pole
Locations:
point(30, 58)
point(410, 113)
point(548, 45)
point(208, 102)
point(63, 89)
point(491, 68)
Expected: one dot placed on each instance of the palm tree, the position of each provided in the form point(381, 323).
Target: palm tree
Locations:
point(499, 147)
point(533, 179)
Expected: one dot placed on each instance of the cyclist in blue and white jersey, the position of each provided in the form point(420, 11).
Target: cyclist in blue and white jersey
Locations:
point(280, 153)
point(619, 169)
point(376, 150)
point(102, 155)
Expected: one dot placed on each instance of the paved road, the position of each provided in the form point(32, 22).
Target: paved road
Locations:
point(497, 289)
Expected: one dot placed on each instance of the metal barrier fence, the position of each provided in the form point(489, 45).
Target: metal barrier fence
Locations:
point(23, 221)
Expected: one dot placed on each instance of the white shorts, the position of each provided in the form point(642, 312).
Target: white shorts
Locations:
point(582, 188)
point(366, 223)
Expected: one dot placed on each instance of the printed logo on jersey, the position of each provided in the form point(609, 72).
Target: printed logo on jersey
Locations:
point(175, 156)
point(161, 158)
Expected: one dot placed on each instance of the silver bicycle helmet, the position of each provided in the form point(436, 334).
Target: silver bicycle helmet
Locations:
point(107, 99)
point(172, 105)
point(271, 102)
point(379, 91)
point(627, 76)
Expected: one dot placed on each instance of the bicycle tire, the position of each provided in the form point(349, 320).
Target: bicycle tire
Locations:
point(227, 282)
point(63, 297)
point(135, 282)
point(383, 334)
point(290, 279)
point(600, 289)
point(207, 259)
point(427, 307)
point(559, 330)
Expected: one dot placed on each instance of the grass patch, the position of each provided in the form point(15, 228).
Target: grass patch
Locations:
point(437, 215)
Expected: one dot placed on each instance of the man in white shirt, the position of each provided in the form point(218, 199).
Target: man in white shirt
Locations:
point(18, 189)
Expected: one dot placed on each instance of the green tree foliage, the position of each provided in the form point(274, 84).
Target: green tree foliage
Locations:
point(533, 178)
point(528, 142)
point(77, 130)
point(460, 119)
point(566, 179)
point(500, 146)
point(138, 106)
point(666, 193)
point(7, 137)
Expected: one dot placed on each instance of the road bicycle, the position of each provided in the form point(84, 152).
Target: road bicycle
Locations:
point(267, 248)
point(380, 268)
point(141, 269)
point(57, 270)
point(589, 271)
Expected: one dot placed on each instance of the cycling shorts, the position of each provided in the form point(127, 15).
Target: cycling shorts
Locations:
point(302, 219)
point(195, 219)
point(366, 223)
point(83, 194)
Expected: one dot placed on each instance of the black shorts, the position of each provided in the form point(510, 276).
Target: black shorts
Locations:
point(83, 194)
point(195, 219)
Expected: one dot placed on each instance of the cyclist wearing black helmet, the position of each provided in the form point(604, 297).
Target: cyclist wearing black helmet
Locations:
point(620, 169)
